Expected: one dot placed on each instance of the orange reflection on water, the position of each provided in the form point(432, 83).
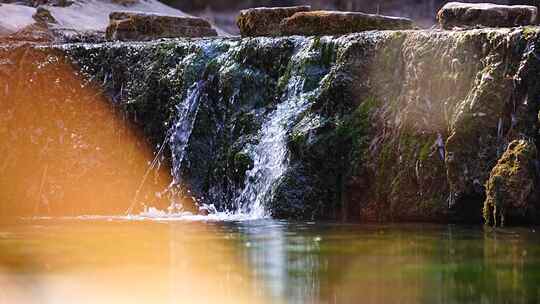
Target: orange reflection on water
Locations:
point(135, 263)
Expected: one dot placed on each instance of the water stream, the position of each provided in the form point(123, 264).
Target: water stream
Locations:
point(270, 155)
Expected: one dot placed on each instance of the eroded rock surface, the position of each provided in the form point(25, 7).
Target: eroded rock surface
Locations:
point(264, 21)
point(127, 26)
point(512, 182)
point(380, 125)
point(339, 23)
point(470, 15)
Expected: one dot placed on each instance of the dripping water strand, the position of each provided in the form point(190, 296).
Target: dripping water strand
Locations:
point(183, 127)
point(145, 176)
point(182, 117)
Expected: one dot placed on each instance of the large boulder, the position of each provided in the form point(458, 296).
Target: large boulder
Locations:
point(511, 183)
point(263, 21)
point(468, 15)
point(340, 23)
point(131, 26)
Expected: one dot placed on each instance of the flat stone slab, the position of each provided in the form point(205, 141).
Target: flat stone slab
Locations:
point(133, 26)
point(264, 21)
point(471, 15)
point(340, 23)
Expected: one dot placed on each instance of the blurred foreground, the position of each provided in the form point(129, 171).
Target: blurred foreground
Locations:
point(116, 260)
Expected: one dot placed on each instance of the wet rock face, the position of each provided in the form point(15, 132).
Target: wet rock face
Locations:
point(390, 125)
point(470, 15)
point(339, 23)
point(126, 26)
point(512, 183)
point(265, 21)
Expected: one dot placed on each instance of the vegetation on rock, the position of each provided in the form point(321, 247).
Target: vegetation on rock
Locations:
point(512, 183)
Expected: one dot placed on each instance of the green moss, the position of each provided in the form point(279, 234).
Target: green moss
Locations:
point(425, 151)
point(511, 182)
point(530, 32)
point(242, 162)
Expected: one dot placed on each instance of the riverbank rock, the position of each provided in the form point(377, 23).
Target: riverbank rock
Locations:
point(470, 15)
point(72, 21)
point(263, 21)
point(511, 183)
point(375, 126)
point(339, 23)
point(128, 26)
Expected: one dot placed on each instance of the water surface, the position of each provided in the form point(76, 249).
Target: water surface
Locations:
point(118, 260)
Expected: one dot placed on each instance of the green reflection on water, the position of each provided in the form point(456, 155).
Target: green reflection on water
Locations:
point(291, 262)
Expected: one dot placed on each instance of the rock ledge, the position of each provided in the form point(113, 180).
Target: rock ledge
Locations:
point(471, 15)
point(133, 26)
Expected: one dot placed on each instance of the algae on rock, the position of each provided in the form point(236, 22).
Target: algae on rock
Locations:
point(397, 125)
point(512, 183)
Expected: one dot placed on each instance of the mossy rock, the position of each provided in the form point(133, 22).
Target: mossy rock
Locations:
point(512, 183)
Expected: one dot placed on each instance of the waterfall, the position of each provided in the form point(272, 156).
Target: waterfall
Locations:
point(270, 155)
point(270, 159)
point(183, 126)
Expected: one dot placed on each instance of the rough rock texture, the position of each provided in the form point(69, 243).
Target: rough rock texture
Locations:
point(265, 21)
point(512, 183)
point(43, 15)
point(470, 15)
point(339, 23)
point(127, 26)
point(392, 125)
point(80, 21)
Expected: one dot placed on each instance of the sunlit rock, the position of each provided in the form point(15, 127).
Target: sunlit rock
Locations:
point(511, 183)
point(127, 26)
point(339, 23)
point(470, 15)
point(263, 21)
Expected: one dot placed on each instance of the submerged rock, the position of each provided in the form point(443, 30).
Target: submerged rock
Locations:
point(339, 23)
point(129, 26)
point(264, 21)
point(470, 15)
point(511, 183)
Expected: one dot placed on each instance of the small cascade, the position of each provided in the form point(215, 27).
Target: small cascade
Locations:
point(270, 154)
point(183, 126)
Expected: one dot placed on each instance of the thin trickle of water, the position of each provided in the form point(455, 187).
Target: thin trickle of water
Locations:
point(183, 126)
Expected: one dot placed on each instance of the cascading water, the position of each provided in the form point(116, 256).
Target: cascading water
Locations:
point(270, 155)
point(183, 126)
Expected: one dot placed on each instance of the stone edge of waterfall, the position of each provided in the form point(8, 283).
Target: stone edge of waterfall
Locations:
point(401, 125)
